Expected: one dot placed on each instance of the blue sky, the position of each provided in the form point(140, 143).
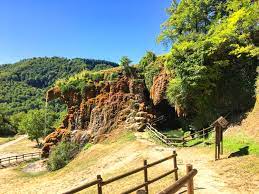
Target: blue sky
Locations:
point(101, 29)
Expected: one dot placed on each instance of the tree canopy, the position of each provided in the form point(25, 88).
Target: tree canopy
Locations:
point(213, 58)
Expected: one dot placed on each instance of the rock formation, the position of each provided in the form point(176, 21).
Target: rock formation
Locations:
point(99, 109)
point(158, 89)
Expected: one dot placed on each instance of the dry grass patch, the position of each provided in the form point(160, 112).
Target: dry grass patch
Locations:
point(6, 139)
point(23, 146)
point(107, 159)
point(241, 173)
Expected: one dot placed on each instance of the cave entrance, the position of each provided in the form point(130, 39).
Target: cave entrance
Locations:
point(170, 120)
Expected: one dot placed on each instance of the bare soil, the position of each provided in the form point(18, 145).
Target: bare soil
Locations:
point(235, 175)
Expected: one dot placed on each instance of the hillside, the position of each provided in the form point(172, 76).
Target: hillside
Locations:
point(124, 151)
point(22, 84)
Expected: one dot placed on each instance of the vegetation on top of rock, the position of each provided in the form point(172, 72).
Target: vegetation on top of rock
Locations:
point(151, 65)
point(125, 63)
point(147, 59)
point(84, 79)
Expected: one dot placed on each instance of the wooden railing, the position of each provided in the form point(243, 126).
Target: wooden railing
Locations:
point(187, 179)
point(99, 182)
point(181, 140)
point(18, 158)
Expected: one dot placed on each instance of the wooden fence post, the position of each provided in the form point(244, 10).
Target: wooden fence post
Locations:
point(145, 176)
point(190, 189)
point(221, 140)
point(216, 142)
point(99, 185)
point(175, 166)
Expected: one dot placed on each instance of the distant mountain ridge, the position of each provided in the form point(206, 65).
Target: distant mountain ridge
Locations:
point(22, 84)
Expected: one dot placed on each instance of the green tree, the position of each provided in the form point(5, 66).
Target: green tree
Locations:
point(147, 59)
point(125, 63)
point(15, 119)
point(33, 124)
point(213, 58)
point(190, 17)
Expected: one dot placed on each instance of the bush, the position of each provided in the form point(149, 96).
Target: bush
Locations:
point(147, 59)
point(96, 76)
point(150, 72)
point(112, 76)
point(61, 155)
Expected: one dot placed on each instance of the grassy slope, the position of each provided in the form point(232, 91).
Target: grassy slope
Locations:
point(122, 152)
point(108, 159)
point(5, 139)
point(23, 146)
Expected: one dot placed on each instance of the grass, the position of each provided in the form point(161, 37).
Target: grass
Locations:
point(6, 139)
point(21, 173)
point(121, 137)
point(118, 155)
point(173, 133)
point(87, 146)
point(23, 146)
point(235, 142)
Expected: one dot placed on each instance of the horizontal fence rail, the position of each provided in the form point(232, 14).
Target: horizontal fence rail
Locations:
point(180, 140)
point(18, 158)
point(187, 179)
point(99, 182)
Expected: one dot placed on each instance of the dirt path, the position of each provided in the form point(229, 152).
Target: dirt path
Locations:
point(111, 159)
point(12, 142)
point(206, 181)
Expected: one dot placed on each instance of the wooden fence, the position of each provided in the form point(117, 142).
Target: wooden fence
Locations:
point(187, 179)
point(99, 182)
point(18, 158)
point(181, 140)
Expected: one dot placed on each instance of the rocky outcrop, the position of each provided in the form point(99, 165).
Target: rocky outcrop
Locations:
point(53, 93)
point(53, 138)
point(158, 89)
point(99, 109)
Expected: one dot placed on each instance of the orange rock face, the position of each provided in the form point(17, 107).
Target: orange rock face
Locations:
point(158, 89)
point(53, 93)
point(101, 108)
point(53, 138)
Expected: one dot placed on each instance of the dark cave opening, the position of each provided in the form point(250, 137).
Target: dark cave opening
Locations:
point(170, 120)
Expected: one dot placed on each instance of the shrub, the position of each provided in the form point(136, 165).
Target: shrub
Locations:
point(87, 146)
point(147, 59)
point(61, 155)
point(96, 76)
point(113, 76)
point(150, 72)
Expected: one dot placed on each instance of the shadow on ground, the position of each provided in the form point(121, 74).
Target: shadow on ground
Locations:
point(242, 152)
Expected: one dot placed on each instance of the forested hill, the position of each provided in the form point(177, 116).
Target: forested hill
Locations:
point(22, 84)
